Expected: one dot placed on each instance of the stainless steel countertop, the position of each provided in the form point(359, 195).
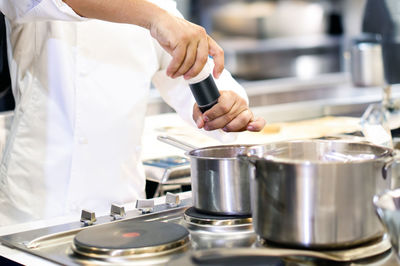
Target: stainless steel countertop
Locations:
point(386, 258)
point(327, 94)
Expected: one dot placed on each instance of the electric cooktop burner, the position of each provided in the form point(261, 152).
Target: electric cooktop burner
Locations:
point(131, 239)
point(193, 216)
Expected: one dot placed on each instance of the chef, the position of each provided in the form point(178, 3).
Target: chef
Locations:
point(81, 71)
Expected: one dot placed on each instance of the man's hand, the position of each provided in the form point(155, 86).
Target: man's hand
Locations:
point(188, 44)
point(231, 113)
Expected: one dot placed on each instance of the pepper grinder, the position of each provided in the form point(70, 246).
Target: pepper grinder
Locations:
point(206, 94)
point(204, 90)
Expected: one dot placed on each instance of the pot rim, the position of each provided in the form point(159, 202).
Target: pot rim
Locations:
point(386, 155)
point(233, 158)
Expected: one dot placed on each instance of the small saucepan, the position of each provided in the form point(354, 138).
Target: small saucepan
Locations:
point(220, 181)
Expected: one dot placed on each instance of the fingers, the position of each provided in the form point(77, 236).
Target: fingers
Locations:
point(243, 121)
point(189, 60)
point(228, 107)
point(256, 125)
point(198, 116)
point(200, 61)
point(218, 55)
point(226, 118)
point(189, 46)
point(224, 106)
point(231, 114)
point(178, 56)
point(240, 122)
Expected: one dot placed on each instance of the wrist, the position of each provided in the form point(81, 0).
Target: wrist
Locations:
point(146, 14)
point(155, 19)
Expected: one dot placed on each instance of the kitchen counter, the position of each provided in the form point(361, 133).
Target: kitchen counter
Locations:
point(25, 258)
point(386, 259)
point(334, 88)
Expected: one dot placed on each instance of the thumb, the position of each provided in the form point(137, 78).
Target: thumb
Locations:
point(198, 116)
point(218, 55)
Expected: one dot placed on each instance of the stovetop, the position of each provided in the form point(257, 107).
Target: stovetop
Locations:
point(210, 241)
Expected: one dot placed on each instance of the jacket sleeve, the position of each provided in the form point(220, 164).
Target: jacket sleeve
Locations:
point(21, 11)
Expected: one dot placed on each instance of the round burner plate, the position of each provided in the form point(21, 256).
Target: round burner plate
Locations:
point(128, 238)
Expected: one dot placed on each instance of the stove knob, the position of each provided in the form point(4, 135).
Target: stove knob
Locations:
point(145, 206)
point(117, 212)
point(88, 217)
point(172, 200)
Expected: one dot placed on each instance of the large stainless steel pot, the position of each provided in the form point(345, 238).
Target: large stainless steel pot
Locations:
point(220, 181)
point(318, 193)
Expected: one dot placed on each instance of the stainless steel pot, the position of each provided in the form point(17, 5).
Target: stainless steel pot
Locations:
point(367, 62)
point(220, 181)
point(318, 193)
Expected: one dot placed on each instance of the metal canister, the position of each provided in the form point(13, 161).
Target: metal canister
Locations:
point(367, 62)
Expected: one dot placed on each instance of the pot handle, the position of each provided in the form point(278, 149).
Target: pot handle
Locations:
point(249, 158)
point(204, 256)
point(395, 158)
point(176, 143)
point(221, 253)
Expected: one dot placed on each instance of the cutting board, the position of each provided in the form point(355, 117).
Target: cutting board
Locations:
point(305, 129)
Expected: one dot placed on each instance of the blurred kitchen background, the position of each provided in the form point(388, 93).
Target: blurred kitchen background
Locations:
point(282, 52)
point(285, 51)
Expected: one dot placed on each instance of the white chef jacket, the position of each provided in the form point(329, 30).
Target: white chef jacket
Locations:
point(81, 88)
